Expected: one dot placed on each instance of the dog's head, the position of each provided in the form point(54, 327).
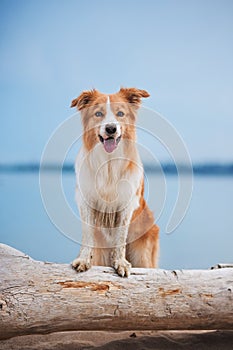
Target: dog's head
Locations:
point(109, 118)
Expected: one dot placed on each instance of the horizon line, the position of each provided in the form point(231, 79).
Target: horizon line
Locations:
point(198, 168)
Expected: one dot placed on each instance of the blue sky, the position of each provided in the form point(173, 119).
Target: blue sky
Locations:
point(180, 51)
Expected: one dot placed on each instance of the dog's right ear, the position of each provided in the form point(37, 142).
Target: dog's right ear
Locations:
point(84, 100)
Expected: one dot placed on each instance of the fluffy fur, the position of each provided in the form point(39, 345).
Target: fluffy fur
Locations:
point(118, 228)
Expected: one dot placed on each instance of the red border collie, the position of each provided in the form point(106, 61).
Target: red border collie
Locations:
point(118, 228)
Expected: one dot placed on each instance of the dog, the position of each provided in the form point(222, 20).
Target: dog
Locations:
point(118, 228)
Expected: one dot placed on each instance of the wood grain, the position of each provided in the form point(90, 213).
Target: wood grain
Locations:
point(39, 297)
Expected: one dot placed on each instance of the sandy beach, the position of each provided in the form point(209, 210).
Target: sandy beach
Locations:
point(138, 340)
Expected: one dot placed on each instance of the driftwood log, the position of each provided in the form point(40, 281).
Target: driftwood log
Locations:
point(39, 297)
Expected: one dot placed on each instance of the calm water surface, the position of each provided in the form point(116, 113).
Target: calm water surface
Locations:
point(204, 238)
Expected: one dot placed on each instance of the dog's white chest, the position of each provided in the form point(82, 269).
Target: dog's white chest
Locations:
point(103, 185)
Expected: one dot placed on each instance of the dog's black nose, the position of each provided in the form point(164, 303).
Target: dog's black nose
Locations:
point(110, 129)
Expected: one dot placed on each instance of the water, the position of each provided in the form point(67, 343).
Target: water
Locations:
point(204, 238)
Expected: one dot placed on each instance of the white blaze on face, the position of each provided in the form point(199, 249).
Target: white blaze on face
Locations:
point(109, 119)
point(110, 143)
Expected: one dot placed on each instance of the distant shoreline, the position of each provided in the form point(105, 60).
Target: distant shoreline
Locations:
point(202, 169)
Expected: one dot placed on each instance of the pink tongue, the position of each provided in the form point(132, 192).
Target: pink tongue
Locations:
point(109, 145)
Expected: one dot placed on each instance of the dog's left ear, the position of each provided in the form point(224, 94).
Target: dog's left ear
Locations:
point(84, 99)
point(134, 95)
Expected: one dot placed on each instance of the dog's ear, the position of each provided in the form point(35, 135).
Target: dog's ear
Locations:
point(84, 99)
point(134, 95)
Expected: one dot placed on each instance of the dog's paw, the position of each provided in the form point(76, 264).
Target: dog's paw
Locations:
point(122, 267)
point(81, 265)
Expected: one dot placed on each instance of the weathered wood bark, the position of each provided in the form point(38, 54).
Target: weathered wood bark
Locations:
point(38, 297)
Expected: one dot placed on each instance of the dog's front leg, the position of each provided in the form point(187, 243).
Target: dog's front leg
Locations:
point(84, 261)
point(118, 259)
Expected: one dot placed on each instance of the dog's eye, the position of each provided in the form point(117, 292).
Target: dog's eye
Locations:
point(99, 114)
point(120, 114)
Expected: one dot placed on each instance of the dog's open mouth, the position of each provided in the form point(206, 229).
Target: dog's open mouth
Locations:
point(110, 143)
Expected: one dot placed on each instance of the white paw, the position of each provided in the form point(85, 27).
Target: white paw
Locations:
point(122, 267)
point(81, 265)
